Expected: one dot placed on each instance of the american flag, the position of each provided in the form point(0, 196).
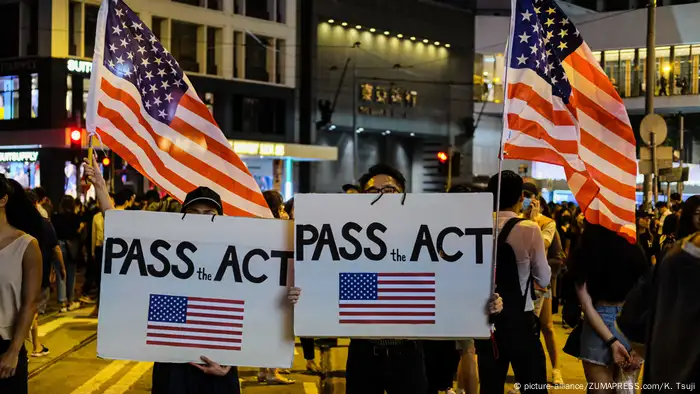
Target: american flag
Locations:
point(562, 109)
point(387, 298)
point(143, 107)
point(194, 322)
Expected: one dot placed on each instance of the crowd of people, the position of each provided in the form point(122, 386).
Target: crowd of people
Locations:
point(551, 260)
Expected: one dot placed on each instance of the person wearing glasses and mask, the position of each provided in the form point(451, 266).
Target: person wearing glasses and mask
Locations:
point(207, 377)
point(391, 365)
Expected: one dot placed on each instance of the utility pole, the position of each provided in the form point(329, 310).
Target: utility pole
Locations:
point(355, 136)
point(650, 180)
point(681, 128)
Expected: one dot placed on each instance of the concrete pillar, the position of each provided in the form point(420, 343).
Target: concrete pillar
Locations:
point(224, 53)
point(600, 5)
point(240, 53)
point(227, 7)
point(166, 32)
point(271, 56)
point(147, 18)
point(58, 14)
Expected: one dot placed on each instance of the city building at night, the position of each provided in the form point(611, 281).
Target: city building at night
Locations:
point(239, 55)
point(622, 54)
point(398, 72)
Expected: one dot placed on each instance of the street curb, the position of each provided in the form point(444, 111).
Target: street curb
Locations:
point(63, 355)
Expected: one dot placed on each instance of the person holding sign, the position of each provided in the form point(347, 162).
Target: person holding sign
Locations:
point(391, 365)
point(170, 378)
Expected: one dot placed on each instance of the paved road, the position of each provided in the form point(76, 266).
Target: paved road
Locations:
point(73, 368)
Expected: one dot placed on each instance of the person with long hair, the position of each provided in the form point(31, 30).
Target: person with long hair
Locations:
point(605, 268)
point(689, 221)
point(20, 282)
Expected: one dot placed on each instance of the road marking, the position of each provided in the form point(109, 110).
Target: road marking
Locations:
point(101, 377)
point(46, 328)
point(129, 379)
point(310, 388)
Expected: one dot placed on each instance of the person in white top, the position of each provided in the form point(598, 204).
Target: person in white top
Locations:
point(521, 261)
point(20, 282)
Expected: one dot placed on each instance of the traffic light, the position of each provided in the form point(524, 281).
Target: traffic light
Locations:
point(106, 161)
point(76, 139)
point(443, 163)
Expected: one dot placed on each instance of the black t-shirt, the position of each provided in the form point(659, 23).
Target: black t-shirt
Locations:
point(610, 271)
point(47, 243)
point(66, 225)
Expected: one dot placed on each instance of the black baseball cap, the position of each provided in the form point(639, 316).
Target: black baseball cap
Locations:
point(349, 186)
point(203, 194)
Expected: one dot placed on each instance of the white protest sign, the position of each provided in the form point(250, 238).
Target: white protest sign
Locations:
point(174, 289)
point(413, 266)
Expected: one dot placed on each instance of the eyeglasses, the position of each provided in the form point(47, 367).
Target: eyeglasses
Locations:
point(383, 190)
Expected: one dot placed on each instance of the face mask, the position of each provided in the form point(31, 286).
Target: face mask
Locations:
point(526, 204)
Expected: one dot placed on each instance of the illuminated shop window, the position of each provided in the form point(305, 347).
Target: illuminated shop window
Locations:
point(35, 95)
point(9, 97)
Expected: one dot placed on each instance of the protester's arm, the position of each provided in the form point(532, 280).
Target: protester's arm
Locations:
point(58, 256)
point(95, 177)
point(548, 233)
point(31, 293)
point(538, 258)
point(593, 318)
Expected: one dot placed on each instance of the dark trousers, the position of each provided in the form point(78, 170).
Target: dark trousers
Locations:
point(395, 369)
point(187, 379)
point(518, 343)
point(307, 346)
point(17, 384)
point(441, 362)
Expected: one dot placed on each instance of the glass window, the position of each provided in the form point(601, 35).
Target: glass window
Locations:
point(73, 30)
point(682, 67)
point(35, 95)
point(664, 70)
point(9, 97)
point(157, 27)
point(184, 45)
point(281, 11)
point(90, 27)
point(211, 51)
point(612, 67)
point(69, 97)
point(257, 9)
point(256, 61)
point(214, 4)
point(237, 39)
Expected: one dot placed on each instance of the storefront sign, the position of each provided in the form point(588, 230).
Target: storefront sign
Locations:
point(18, 156)
point(79, 66)
point(17, 65)
point(252, 148)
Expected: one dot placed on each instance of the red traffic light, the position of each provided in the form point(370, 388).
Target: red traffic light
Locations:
point(76, 135)
point(105, 161)
point(442, 156)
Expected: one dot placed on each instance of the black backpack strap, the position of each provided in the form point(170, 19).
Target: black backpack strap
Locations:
point(507, 228)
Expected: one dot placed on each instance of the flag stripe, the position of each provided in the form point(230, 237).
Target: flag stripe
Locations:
point(368, 305)
point(406, 282)
point(545, 108)
point(212, 323)
point(534, 130)
point(406, 274)
point(215, 308)
point(386, 313)
point(213, 315)
point(216, 300)
point(199, 330)
point(382, 321)
point(194, 337)
point(193, 345)
point(405, 298)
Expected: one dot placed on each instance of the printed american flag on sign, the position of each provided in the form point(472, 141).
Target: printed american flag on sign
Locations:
point(562, 109)
point(195, 322)
point(387, 298)
point(143, 107)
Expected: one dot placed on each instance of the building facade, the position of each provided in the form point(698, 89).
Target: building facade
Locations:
point(622, 54)
point(238, 54)
point(394, 72)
